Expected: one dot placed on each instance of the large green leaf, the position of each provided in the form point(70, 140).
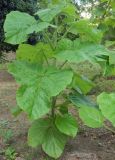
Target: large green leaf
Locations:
point(107, 106)
point(34, 54)
point(37, 132)
point(50, 79)
point(54, 142)
point(43, 132)
point(67, 124)
point(80, 51)
point(86, 30)
point(40, 84)
point(91, 117)
point(18, 25)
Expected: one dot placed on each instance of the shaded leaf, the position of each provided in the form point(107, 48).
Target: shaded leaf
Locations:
point(34, 54)
point(29, 53)
point(63, 108)
point(80, 100)
point(109, 70)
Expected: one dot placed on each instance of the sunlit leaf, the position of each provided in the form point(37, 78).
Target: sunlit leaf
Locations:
point(107, 106)
point(39, 84)
point(84, 27)
point(80, 51)
point(18, 25)
point(37, 132)
point(54, 142)
point(67, 124)
point(91, 117)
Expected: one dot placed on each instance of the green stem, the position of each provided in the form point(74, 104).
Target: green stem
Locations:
point(46, 59)
point(49, 41)
point(55, 35)
point(53, 107)
point(63, 64)
point(110, 129)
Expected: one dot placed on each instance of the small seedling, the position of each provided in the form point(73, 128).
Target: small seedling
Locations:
point(5, 132)
point(10, 153)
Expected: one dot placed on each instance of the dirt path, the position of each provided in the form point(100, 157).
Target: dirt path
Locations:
point(90, 144)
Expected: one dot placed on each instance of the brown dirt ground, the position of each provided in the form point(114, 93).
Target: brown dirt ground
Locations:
point(98, 141)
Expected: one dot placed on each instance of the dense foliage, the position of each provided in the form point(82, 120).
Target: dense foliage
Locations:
point(6, 6)
point(46, 71)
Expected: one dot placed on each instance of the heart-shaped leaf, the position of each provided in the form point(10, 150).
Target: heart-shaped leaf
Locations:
point(39, 84)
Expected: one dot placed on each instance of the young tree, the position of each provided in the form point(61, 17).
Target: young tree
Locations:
point(45, 72)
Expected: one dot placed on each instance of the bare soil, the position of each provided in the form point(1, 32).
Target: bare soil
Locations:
point(90, 144)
